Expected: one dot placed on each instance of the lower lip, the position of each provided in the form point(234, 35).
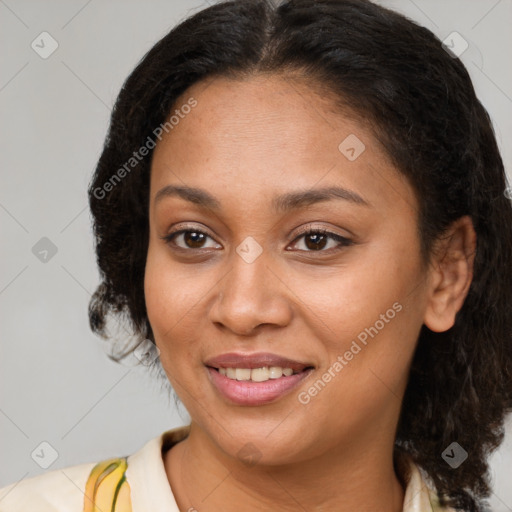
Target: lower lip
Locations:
point(246, 392)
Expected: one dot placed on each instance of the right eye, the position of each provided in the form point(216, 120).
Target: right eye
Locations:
point(191, 238)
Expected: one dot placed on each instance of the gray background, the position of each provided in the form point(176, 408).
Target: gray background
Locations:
point(58, 385)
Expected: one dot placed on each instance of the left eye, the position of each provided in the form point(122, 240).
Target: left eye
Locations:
point(317, 239)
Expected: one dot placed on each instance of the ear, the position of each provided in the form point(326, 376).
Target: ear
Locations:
point(451, 272)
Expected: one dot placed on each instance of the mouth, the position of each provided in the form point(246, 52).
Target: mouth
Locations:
point(255, 379)
point(263, 374)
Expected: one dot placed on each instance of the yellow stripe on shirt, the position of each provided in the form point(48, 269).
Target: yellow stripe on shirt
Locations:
point(107, 489)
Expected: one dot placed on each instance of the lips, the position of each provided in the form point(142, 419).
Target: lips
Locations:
point(257, 360)
point(228, 373)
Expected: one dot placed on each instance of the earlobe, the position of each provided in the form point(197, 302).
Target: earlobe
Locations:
point(451, 274)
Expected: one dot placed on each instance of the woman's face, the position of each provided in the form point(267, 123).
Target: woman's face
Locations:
point(253, 283)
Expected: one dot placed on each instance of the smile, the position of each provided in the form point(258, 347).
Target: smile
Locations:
point(248, 392)
point(256, 374)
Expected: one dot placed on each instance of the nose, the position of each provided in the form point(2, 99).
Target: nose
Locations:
point(250, 295)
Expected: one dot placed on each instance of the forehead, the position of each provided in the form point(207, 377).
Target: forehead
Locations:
point(263, 115)
point(269, 134)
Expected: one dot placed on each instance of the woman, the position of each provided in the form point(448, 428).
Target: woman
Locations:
point(302, 209)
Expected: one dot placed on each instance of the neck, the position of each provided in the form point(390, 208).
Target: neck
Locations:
point(358, 476)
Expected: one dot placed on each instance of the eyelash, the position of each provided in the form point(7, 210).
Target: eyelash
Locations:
point(344, 242)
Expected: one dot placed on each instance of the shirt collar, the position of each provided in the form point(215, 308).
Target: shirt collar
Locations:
point(150, 488)
point(419, 495)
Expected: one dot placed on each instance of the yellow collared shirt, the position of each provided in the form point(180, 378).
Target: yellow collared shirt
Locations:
point(138, 483)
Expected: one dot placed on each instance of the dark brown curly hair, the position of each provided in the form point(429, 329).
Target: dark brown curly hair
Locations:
point(421, 104)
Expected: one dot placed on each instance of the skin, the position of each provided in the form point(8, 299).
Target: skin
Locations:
point(246, 142)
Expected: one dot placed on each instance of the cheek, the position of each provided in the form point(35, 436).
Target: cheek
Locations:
point(369, 324)
point(169, 303)
point(170, 297)
point(171, 289)
point(344, 304)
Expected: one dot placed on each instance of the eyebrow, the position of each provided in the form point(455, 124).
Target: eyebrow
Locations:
point(282, 203)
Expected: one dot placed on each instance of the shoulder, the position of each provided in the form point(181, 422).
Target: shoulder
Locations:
point(59, 490)
point(122, 484)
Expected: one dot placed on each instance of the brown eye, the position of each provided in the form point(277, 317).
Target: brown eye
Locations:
point(190, 238)
point(194, 239)
point(315, 240)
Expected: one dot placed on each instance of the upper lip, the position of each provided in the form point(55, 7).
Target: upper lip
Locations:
point(257, 360)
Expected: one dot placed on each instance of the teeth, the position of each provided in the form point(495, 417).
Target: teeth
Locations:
point(256, 374)
point(275, 372)
point(243, 374)
point(260, 374)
